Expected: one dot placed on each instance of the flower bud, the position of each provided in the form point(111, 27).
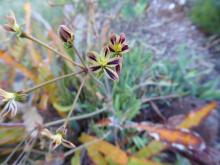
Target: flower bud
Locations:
point(12, 25)
point(66, 35)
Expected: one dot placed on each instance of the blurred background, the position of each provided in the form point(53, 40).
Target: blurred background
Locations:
point(172, 68)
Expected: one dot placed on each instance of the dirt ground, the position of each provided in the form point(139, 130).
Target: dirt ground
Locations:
point(163, 28)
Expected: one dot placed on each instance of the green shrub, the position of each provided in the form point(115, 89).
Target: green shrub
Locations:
point(206, 14)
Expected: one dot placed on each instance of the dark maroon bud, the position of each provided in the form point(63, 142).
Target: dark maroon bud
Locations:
point(112, 50)
point(113, 38)
point(122, 38)
point(92, 56)
point(118, 69)
point(125, 47)
point(111, 74)
point(66, 34)
point(114, 62)
point(106, 51)
point(95, 68)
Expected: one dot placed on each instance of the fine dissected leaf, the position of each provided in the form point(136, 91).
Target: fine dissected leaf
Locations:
point(61, 108)
point(194, 119)
point(110, 151)
point(10, 61)
point(138, 161)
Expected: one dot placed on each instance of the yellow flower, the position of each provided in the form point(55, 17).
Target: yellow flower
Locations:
point(8, 100)
point(104, 64)
point(5, 96)
point(10, 106)
point(118, 44)
point(57, 139)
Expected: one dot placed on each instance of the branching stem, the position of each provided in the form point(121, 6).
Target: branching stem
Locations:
point(75, 101)
point(30, 37)
point(26, 91)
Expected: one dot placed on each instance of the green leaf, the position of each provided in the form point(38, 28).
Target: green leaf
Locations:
point(61, 108)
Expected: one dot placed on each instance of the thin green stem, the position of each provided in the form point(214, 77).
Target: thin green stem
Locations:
point(24, 35)
point(75, 101)
point(84, 64)
point(26, 91)
point(17, 147)
point(88, 115)
point(172, 96)
point(79, 56)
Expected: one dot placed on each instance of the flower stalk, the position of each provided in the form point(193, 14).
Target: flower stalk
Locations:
point(27, 36)
point(74, 102)
point(27, 91)
point(12, 26)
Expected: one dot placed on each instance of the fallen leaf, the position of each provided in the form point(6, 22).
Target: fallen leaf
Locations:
point(97, 157)
point(151, 149)
point(10, 61)
point(193, 120)
point(182, 139)
point(138, 161)
point(62, 108)
point(110, 151)
point(76, 159)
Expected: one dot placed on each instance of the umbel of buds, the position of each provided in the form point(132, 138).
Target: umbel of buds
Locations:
point(66, 35)
point(12, 25)
point(8, 101)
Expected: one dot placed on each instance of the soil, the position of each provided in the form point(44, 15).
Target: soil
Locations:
point(163, 28)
